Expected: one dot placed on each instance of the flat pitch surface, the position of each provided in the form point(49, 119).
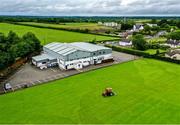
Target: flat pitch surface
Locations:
point(148, 91)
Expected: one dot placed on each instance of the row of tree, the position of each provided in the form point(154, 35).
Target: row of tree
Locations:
point(140, 43)
point(64, 19)
point(12, 47)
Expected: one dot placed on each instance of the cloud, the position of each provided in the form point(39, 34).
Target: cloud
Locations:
point(89, 7)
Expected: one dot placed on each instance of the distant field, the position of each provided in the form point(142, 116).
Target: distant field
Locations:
point(49, 35)
point(142, 20)
point(83, 26)
point(148, 91)
point(155, 40)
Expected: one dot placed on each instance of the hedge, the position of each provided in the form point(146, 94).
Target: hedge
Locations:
point(143, 54)
point(129, 51)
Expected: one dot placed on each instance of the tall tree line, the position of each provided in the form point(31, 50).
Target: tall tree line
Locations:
point(12, 46)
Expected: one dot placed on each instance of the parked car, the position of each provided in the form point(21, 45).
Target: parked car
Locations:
point(7, 86)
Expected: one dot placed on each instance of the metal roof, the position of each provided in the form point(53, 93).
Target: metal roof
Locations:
point(68, 48)
point(43, 57)
point(51, 44)
point(88, 47)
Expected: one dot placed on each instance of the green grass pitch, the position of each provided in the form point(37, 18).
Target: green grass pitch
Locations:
point(148, 91)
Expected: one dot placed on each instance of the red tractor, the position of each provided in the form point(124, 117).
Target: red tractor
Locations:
point(108, 92)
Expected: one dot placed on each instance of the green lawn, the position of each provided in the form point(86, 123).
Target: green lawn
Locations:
point(49, 35)
point(90, 26)
point(159, 40)
point(153, 51)
point(148, 91)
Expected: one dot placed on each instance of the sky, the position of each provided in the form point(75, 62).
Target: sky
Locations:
point(90, 7)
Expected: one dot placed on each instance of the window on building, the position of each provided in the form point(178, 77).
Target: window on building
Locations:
point(43, 62)
point(104, 52)
point(94, 54)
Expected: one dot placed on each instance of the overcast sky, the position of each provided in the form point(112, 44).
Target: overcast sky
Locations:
point(89, 7)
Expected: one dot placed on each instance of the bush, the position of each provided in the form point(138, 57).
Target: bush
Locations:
point(157, 46)
point(139, 42)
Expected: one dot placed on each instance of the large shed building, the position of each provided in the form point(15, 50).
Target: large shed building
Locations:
point(72, 55)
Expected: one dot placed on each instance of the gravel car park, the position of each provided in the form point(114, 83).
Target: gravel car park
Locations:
point(30, 75)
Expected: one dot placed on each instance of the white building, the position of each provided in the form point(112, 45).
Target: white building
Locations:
point(72, 55)
point(138, 27)
point(110, 24)
point(125, 42)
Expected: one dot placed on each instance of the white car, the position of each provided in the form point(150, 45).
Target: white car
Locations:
point(7, 86)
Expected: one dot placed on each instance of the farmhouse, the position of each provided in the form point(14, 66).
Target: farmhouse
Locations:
point(72, 55)
point(138, 27)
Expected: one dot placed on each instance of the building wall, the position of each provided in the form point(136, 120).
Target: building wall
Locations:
point(101, 52)
point(45, 62)
point(83, 62)
point(125, 44)
point(77, 59)
point(78, 55)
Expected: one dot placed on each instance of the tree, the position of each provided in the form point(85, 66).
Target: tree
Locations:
point(147, 29)
point(12, 38)
point(2, 38)
point(163, 21)
point(165, 25)
point(157, 52)
point(5, 59)
point(94, 41)
point(86, 30)
point(12, 46)
point(126, 26)
point(139, 42)
point(178, 24)
point(174, 35)
point(3, 44)
point(33, 40)
point(154, 21)
point(155, 28)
